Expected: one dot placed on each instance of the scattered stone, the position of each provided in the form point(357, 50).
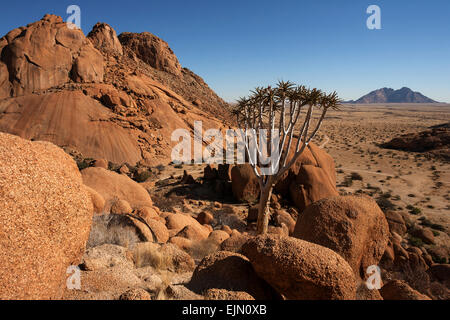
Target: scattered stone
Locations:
point(218, 236)
point(135, 294)
point(222, 294)
point(159, 230)
point(209, 173)
point(101, 163)
point(97, 201)
point(194, 232)
point(205, 218)
point(121, 207)
point(424, 234)
point(224, 172)
point(187, 178)
point(106, 256)
point(282, 217)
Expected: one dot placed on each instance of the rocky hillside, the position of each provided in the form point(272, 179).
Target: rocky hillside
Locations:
point(388, 95)
point(101, 96)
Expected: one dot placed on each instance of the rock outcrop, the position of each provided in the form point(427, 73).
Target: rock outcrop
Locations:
point(48, 54)
point(434, 142)
point(312, 177)
point(104, 39)
point(5, 86)
point(152, 50)
point(113, 187)
point(300, 270)
point(45, 218)
point(354, 227)
point(96, 98)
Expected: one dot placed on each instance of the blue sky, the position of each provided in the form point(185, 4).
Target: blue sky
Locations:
point(237, 45)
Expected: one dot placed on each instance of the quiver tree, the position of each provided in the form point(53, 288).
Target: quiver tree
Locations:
point(272, 122)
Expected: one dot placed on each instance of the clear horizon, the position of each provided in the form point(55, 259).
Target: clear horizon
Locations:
point(237, 46)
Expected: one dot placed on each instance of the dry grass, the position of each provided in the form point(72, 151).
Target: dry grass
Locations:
point(149, 254)
point(103, 233)
point(161, 291)
point(201, 249)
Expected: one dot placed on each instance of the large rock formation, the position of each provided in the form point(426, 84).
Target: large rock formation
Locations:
point(48, 54)
point(85, 94)
point(104, 38)
point(354, 227)
point(300, 270)
point(45, 218)
point(152, 50)
point(5, 86)
point(70, 119)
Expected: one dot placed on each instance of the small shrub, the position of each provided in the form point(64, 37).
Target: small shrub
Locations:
point(356, 176)
point(416, 242)
point(415, 211)
point(427, 223)
point(385, 204)
point(142, 176)
point(438, 260)
point(386, 195)
point(436, 233)
point(84, 163)
point(348, 182)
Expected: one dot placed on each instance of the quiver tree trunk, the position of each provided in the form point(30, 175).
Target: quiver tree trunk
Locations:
point(264, 210)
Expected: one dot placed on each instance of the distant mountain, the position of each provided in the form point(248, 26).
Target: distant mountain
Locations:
point(388, 95)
